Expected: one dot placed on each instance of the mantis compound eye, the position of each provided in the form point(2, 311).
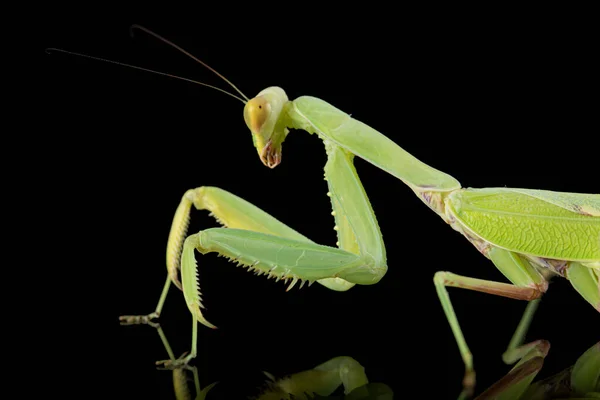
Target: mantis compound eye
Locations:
point(256, 113)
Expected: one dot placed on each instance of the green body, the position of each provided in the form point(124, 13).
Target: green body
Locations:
point(541, 227)
point(529, 235)
point(529, 223)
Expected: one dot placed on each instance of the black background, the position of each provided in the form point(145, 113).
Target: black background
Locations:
point(492, 102)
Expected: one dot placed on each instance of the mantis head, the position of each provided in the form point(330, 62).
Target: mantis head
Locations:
point(263, 114)
point(263, 117)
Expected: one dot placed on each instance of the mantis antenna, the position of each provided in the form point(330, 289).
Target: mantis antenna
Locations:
point(186, 53)
point(50, 50)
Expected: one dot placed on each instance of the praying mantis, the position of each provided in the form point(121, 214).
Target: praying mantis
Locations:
point(529, 235)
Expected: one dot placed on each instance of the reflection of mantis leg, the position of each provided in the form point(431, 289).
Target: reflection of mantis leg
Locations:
point(579, 381)
point(516, 382)
point(164, 341)
point(184, 359)
point(585, 376)
point(180, 379)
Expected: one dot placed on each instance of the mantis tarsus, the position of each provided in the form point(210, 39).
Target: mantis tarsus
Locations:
point(529, 235)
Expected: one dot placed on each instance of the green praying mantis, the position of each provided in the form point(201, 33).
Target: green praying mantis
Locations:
point(529, 235)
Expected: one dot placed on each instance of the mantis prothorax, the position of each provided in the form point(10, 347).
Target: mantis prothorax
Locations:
point(529, 235)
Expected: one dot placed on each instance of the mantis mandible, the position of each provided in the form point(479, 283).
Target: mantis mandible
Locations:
point(529, 235)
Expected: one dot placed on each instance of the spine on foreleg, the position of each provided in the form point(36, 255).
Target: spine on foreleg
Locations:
point(191, 281)
point(179, 227)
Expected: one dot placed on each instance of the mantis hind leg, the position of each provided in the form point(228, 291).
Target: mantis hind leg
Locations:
point(527, 284)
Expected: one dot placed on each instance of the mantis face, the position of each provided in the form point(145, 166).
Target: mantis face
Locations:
point(262, 115)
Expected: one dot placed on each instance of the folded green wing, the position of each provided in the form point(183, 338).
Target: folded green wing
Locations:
point(543, 224)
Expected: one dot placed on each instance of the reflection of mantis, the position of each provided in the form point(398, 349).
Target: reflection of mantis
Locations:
point(529, 235)
point(577, 382)
point(323, 380)
point(580, 381)
point(316, 383)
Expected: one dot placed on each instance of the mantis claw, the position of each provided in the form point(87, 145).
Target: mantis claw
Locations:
point(174, 275)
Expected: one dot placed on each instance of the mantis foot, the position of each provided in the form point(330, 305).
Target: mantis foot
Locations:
point(139, 319)
point(181, 362)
